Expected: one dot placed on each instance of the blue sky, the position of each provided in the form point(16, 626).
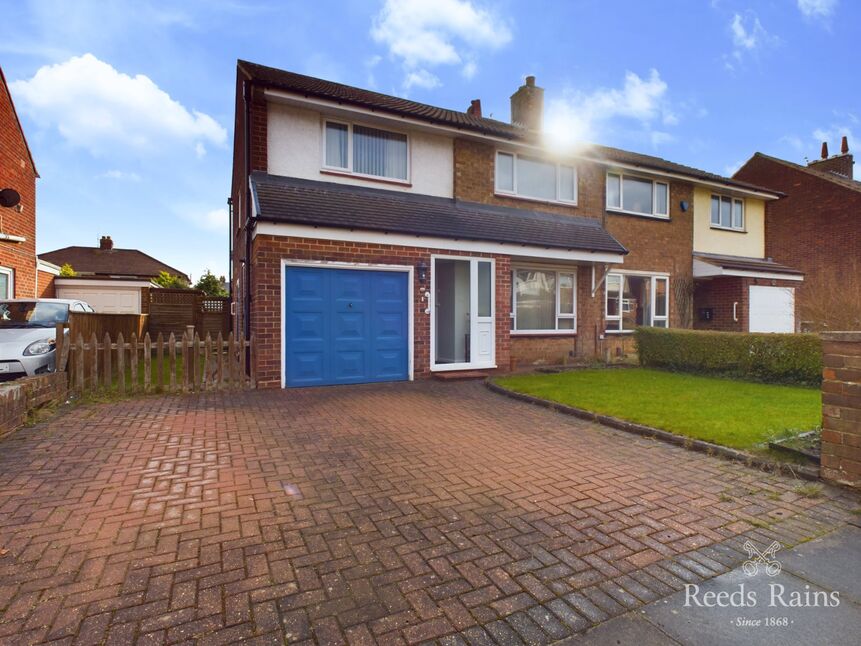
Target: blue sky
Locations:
point(128, 106)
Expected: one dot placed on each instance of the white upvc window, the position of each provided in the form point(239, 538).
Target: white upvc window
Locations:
point(635, 300)
point(365, 151)
point(7, 286)
point(727, 213)
point(638, 195)
point(543, 301)
point(535, 179)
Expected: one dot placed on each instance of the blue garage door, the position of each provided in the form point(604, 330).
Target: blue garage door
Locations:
point(345, 326)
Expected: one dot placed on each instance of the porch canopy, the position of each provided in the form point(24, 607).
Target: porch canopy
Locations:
point(707, 265)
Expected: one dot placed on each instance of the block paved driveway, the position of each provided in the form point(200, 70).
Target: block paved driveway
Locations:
point(393, 513)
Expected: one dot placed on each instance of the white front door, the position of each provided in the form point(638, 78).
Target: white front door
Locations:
point(772, 309)
point(462, 313)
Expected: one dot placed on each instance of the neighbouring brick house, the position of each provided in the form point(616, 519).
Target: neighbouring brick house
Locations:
point(816, 227)
point(18, 277)
point(375, 238)
point(111, 280)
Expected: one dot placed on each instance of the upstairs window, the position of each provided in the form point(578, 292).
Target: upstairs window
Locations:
point(727, 213)
point(365, 151)
point(535, 179)
point(637, 195)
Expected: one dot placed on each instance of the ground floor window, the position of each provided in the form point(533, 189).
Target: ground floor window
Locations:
point(636, 300)
point(6, 290)
point(543, 300)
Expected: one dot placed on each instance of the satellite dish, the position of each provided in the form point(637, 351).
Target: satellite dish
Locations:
point(9, 197)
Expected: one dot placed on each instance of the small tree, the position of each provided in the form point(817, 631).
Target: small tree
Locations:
point(210, 285)
point(66, 271)
point(169, 281)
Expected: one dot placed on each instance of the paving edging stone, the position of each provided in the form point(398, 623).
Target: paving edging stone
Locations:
point(701, 446)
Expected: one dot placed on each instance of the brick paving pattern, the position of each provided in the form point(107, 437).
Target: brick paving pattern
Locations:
point(389, 514)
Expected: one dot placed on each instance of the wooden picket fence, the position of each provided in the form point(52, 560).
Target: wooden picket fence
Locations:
point(185, 364)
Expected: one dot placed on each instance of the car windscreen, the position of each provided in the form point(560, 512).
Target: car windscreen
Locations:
point(38, 314)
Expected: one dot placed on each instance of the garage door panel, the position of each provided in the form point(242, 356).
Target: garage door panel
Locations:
point(359, 321)
point(772, 309)
point(105, 300)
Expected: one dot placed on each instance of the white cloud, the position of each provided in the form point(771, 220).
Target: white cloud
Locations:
point(842, 126)
point(214, 220)
point(428, 33)
point(121, 175)
point(817, 8)
point(96, 107)
point(748, 37)
point(582, 117)
point(421, 78)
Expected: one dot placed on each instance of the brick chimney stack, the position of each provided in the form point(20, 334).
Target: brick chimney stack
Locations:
point(474, 109)
point(838, 164)
point(105, 243)
point(527, 105)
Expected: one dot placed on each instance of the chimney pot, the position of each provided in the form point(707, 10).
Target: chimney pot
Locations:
point(844, 145)
point(105, 243)
point(527, 105)
point(824, 153)
point(474, 108)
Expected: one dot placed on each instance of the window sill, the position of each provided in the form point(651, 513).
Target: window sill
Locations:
point(619, 331)
point(366, 178)
point(536, 200)
point(729, 229)
point(639, 215)
point(528, 333)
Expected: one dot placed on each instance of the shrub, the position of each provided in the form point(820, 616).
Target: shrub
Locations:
point(775, 358)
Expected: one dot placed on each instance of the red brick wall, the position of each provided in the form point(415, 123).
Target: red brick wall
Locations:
point(841, 407)
point(46, 287)
point(816, 228)
point(267, 253)
point(720, 294)
point(17, 172)
point(22, 396)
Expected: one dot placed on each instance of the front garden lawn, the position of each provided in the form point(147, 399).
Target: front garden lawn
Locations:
point(733, 413)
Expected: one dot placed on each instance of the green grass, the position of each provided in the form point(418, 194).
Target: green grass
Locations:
point(732, 413)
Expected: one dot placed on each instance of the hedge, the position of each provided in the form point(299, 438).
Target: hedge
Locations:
point(774, 358)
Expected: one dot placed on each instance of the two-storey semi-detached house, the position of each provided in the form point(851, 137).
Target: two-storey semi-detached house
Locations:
point(376, 238)
point(816, 227)
point(18, 264)
point(738, 287)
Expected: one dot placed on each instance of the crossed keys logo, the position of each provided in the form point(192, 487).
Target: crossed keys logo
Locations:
point(757, 558)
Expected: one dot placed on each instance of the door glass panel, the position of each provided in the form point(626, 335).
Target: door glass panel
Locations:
point(636, 302)
point(451, 310)
point(613, 285)
point(484, 289)
point(660, 297)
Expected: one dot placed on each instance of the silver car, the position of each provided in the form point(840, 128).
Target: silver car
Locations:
point(27, 331)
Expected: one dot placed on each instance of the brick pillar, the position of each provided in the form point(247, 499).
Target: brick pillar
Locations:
point(841, 407)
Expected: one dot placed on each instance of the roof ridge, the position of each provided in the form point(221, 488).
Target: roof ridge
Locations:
point(846, 182)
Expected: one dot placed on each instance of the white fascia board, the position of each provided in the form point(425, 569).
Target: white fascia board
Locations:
point(84, 282)
point(707, 270)
point(403, 240)
point(47, 267)
point(335, 108)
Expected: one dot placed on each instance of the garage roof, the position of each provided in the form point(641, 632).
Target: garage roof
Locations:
point(296, 201)
point(104, 263)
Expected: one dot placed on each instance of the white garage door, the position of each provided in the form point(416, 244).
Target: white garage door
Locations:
point(106, 300)
point(772, 309)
